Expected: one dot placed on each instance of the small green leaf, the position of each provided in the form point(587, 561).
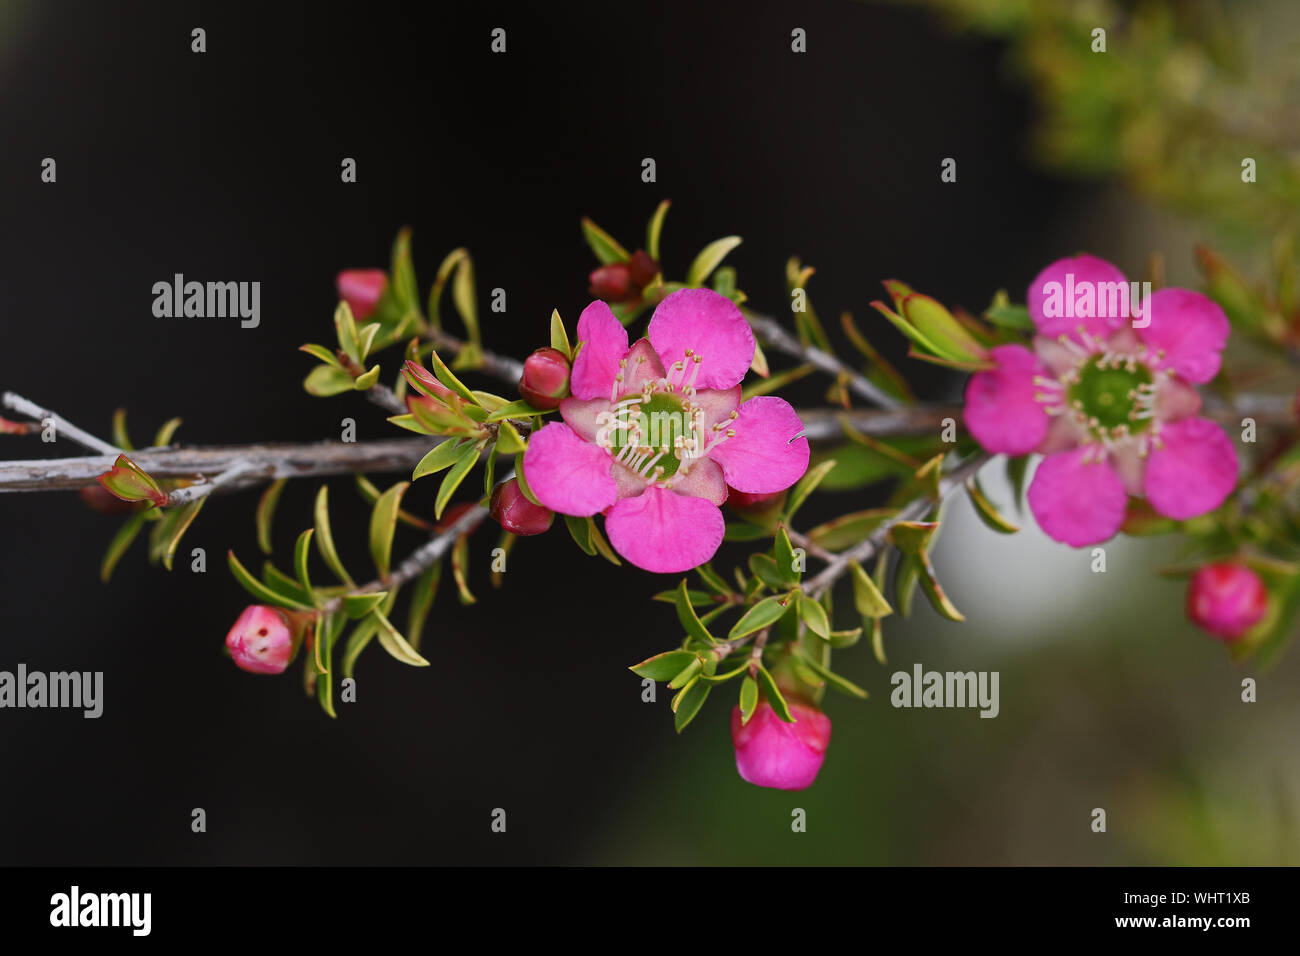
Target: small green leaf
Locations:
point(509, 441)
point(266, 511)
point(321, 352)
point(464, 463)
point(426, 589)
point(460, 569)
point(164, 436)
point(655, 229)
point(663, 667)
point(325, 540)
point(357, 606)
point(710, 258)
point(126, 480)
point(688, 704)
point(393, 642)
point(441, 456)
point(773, 695)
point(559, 336)
point(605, 247)
point(939, 326)
point(346, 327)
point(841, 684)
point(120, 438)
point(366, 339)
point(325, 380)
point(121, 541)
point(282, 584)
point(301, 549)
point(913, 537)
point(173, 527)
point(444, 375)
point(602, 546)
point(687, 674)
point(763, 614)
point(934, 591)
point(362, 635)
point(523, 480)
point(517, 409)
point(257, 588)
point(748, 699)
point(867, 598)
point(986, 510)
point(695, 629)
point(814, 615)
point(807, 484)
point(366, 379)
point(580, 529)
point(383, 523)
point(1002, 312)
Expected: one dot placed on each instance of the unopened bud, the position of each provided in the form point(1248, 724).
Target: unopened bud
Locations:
point(612, 282)
point(265, 639)
point(361, 290)
point(641, 269)
point(516, 513)
point(772, 753)
point(545, 381)
point(1226, 599)
point(97, 498)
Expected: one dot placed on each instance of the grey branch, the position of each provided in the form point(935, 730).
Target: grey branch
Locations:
point(61, 424)
point(228, 478)
point(776, 335)
point(498, 366)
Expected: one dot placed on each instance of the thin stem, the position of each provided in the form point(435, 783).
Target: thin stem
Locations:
point(61, 425)
point(227, 478)
point(498, 366)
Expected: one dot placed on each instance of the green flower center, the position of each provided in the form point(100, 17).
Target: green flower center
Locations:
point(645, 434)
point(1113, 395)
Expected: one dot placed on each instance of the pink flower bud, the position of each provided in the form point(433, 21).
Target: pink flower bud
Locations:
point(545, 381)
point(745, 501)
point(772, 753)
point(516, 513)
point(265, 639)
point(361, 289)
point(613, 283)
point(641, 269)
point(98, 499)
point(423, 379)
point(1226, 599)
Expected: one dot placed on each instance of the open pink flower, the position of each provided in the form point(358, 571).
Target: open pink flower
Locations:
point(654, 434)
point(1107, 395)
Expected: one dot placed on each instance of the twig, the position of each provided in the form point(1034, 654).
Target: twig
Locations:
point(801, 540)
point(817, 586)
point(61, 425)
point(229, 477)
point(498, 366)
point(776, 335)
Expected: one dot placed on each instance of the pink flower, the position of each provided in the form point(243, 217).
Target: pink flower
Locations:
point(361, 289)
point(654, 434)
point(1112, 406)
point(264, 639)
point(772, 753)
point(1226, 599)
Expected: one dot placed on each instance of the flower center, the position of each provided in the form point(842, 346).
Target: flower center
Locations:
point(1112, 396)
point(646, 432)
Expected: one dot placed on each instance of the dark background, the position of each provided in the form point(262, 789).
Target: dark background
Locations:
point(225, 166)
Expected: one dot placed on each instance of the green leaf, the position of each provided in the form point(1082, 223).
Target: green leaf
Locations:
point(1002, 312)
point(257, 588)
point(580, 529)
point(560, 337)
point(765, 568)
point(120, 438)
point(426, 589)
point(327, 636)
point(1016, 469)
point(362, 635)
point(396, 645)
point(173, 527)
point(841, 684)
point(326, 355)
point(688, 704)
point(748, 699)
point(366, 379)
point(710, 258)
point(462, 294)
point(763, 614)
point(383, 523)
point(517, 409)
point(663, 667)
point(774, 696)
point(266, 511)
point(444, 375)
point(326, 380)
point(868, 600)
point(126, 480)
point(905, 581)
point(655, 229)
point(357, 606)
point(814, 615)
point(939, 326)
point(783, 555)
point(282, 584)
point(712, 580)
point(366, 339)
point(687, 674)
point(690, 621)
point(460, 568)
point(121, 541)
point(301, 549)
point(986, 510)
point(848, 530)
point(406, 288)
point(441, 456)
point(346, 327)
point(509, 441)
point(605, 247)
point(523, 481)
point(913, 537)
point(464, 463)
point(602, 546)
point(805, 487)
point(325, 539)
point(934, 591)
point(164, 436)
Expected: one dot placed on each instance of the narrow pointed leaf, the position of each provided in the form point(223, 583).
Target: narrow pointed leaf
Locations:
point(325, 539)
point(383, 523)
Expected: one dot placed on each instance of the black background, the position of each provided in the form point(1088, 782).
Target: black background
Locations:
point(225, 166)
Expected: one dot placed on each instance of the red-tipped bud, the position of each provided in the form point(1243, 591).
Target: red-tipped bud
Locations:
point(97, 498)
point(424, 380)
point(361, 290)
point(641, 269)
point(613, 283)
point(1226, 599)
point(126, 480)
point(516, 513)
point(772, 753)
point(265, 639)
point(545, 382)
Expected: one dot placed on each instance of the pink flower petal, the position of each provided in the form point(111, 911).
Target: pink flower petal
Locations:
point(1190, 329)
point(583, 415)
point(1088, 271)
point(701, 478)
point(1192, 471)
point(712, 326)
point(761, 457)
point(567, 474)
point(1000, 410)
point(643, 365)
point(665, 532)
point(1076, 503)
point(716, 405)
point(1175, 400)
point(606, 343)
